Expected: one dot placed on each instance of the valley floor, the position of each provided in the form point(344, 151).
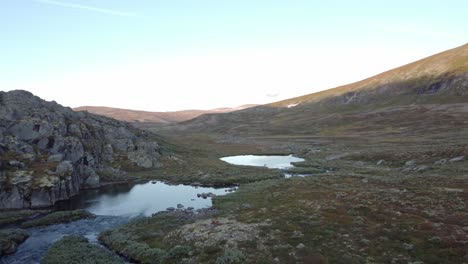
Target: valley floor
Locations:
point(370, 199)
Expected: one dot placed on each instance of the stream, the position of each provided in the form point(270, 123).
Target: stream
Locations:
point(113, 206)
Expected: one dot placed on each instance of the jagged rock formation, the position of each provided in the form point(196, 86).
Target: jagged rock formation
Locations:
point(49, 152)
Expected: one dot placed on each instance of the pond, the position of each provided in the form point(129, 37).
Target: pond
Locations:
point(269, 161)
point(139, 199)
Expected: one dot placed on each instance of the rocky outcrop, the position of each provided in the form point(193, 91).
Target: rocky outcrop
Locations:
point(49, 152)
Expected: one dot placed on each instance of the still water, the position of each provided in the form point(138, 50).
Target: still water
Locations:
point(272, 162)
point(139, 199)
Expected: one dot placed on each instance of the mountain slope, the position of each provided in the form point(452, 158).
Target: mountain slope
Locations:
point(154, 117)
point(408, 91)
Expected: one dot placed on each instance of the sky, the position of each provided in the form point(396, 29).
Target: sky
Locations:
point(166, 55)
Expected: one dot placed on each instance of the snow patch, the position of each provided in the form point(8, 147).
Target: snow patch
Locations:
point(292, 105)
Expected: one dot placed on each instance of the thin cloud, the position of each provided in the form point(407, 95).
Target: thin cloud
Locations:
point(85, 7)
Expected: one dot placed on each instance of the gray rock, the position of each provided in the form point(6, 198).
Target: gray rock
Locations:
point(55, 158)
point(73, 149)
point(108, 153)
point(410, 163)
point(422, 168)
point(12, 199)
point(435, 239)
point(440, 162)
point(16, 163)
point(30, 129)
point(64, 168)
point(74, 129)
point(85, 145)
point(300, 246)
point(381, 162)
point(408, 246)
point(180, 206)
point(89, 177)
point(457, 159)
point(297, 234)
point(42, 198)
point(43, 143)
point(365, 241)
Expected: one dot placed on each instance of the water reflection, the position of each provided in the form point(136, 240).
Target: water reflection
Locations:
point(139, 199)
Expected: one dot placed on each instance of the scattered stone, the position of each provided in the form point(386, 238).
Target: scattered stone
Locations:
point(55, 158)
point(300, 246)
point(180, 206)
point(297, 234)
point(190, 208)
point(440, 162)
point(381, 162)
point(457, 159)
point(408, 246)
point(170, 209)
point(246, 206)
point(410, 163)
point(422, 168)
point(365, 241)
point(16, 163)
point(435, 239)
point(206, 195)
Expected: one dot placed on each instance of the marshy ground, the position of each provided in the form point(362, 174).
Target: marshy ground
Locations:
point(371, 198)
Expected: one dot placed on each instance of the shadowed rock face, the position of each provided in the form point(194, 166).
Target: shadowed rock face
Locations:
point(49, 152)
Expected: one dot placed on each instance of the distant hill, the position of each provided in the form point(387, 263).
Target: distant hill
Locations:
point(435, 87)
point(154, 117)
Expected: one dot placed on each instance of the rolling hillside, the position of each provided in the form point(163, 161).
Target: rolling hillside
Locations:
point(154, 117)
point(434, 88)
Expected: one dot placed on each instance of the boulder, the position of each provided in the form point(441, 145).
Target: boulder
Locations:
point(55, 158)
point(410, 163)
point(64, 168)
point(457, 159)
point(12, 199)
point(42, 198)
point(381, 162)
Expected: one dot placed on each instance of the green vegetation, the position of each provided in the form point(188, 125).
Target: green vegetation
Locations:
point(200, 163)
point(231, 257)
point(362, 204)
point(58, 217)
point(10, 239)
point(77, 250)
point(143, 239)
point(12, 217)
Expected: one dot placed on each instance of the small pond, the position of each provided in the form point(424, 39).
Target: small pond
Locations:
point(269, 161)
point(139, 199)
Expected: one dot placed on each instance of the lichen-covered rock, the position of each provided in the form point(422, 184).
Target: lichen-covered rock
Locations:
point(49, 152)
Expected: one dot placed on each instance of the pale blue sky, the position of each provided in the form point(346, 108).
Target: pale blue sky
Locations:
point(179, 54)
